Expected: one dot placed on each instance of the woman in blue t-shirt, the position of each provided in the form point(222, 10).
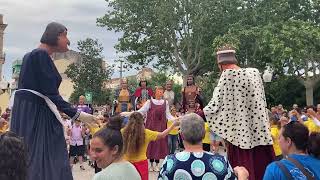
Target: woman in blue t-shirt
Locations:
point(297, 145)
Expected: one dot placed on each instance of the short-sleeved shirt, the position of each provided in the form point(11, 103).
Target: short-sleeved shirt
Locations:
point(174, 131)
point(206, 138)
point(84, 108)
point(142, 154)
point(196, 165)
point(312, 127)
point(273, 172)
point(275, 134)
point(94, 129)
point(76, 136)
point(118, 171)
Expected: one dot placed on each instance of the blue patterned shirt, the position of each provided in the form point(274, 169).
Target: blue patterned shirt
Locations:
point(199, 165)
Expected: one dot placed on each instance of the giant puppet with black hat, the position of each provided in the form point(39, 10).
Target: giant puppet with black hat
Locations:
point(237, 113)
point(36, 105)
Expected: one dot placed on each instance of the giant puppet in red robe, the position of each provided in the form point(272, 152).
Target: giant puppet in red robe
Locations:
point(142, 94)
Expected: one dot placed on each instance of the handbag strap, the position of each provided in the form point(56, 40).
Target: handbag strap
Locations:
point(285, 170)
point(301, 168)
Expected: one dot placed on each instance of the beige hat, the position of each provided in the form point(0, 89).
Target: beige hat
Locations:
point(226, 55)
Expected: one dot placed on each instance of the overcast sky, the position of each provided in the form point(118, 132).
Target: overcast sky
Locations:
point(27, 20)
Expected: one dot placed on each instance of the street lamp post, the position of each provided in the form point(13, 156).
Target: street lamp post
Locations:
point(267, 78)
point(267, 75)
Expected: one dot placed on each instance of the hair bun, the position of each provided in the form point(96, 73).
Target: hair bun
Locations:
point(115, 123)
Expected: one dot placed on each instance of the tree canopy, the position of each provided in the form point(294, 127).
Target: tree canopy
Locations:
point(89, 74)
point(171, 34)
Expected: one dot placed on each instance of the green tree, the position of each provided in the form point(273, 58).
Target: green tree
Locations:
point(282, 34)
point(172, 34)
point(89, 74)
point(207, 83)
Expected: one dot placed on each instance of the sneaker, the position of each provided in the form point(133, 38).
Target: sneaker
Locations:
point(156, 168)
point(82, 168)
point(151, 168)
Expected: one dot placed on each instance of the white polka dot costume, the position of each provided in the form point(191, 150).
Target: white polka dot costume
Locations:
point(237, 110)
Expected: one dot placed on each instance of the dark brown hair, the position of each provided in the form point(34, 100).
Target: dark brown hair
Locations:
point(52, 33)
point(143, 81)
point(298, 133)
point(134, 134)
point(111, 134)
point(13, 153)
point(314, 145)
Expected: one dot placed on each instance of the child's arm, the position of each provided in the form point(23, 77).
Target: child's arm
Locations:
point(166, 132)
point(314, 116)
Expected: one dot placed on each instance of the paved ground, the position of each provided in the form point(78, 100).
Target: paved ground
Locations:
point(89, 173)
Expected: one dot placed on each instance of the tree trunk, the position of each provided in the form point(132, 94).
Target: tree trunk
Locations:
point(309, 84)
point(309, 95)
point(184, 80)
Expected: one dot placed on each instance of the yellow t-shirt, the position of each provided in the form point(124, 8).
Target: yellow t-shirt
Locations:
point(206, 138)
point(94, 129)
point(142, 154)
point(5, 128)
point(311, 126)
point(175, 130)
point(275, 136)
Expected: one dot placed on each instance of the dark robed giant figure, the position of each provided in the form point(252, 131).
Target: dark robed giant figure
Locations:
point(36, 104)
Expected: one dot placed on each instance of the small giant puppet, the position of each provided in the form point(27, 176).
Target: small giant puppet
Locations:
point(142, 94)
point(190, 95)
point(123, 98)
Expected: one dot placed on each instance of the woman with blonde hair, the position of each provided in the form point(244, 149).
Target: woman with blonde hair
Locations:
point(157, 114)
point(136, 140)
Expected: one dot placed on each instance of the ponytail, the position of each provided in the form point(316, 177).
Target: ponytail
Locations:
point(134, 133)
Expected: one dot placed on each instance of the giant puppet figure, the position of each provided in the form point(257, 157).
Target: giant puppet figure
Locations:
point(142, 94)
point(36, 105)
point(123, 98)
point(190, 95)
point(169, 93)
point(158, 112)
point(237, 113)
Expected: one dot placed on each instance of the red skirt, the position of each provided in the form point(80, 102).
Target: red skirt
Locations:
point(255, 160)
point(142, 168)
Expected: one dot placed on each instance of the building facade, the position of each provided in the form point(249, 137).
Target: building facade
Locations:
point(4, 94)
